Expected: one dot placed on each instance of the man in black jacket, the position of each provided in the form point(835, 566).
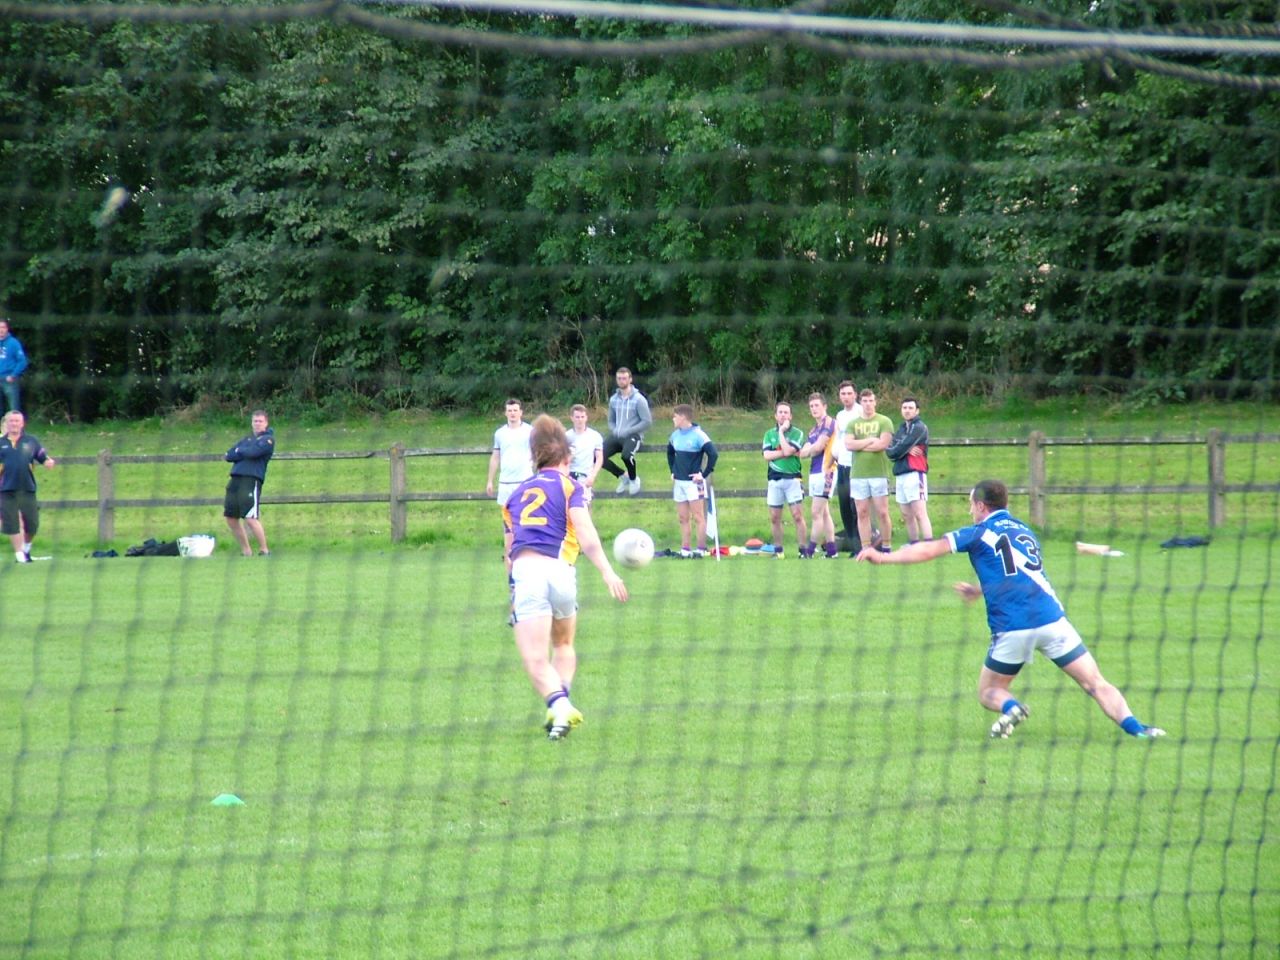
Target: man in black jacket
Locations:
point(908, 451)
point(249, 458)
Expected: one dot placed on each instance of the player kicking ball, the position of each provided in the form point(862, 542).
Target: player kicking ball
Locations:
point(550, 524)
point(1023, 612)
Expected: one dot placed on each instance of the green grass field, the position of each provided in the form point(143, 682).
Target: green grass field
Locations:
point(779, 759)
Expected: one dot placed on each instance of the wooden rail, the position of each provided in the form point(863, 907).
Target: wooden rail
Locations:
point(398, 495)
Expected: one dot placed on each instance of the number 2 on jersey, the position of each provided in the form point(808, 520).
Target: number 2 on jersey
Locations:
point(529, 515)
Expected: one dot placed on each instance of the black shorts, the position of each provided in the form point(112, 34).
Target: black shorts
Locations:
point(242, 500)
point(627, 446)
point(18, 512)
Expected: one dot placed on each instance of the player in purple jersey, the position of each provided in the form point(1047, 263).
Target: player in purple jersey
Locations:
point(550, 526)
point(822, 478)
point(1023, 612)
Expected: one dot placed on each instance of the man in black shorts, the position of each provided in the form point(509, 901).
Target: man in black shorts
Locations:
point(244, 490)
point(19, 513)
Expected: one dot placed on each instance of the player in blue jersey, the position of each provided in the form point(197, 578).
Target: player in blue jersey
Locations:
point(550, 526)
point(691, 457)
point(1023, 612)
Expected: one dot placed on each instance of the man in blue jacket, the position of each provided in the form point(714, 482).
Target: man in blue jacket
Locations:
point(13, 361)
point(249, 458)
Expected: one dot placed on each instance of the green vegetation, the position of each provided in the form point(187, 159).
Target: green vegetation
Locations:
point(330, 218)
point(779, 760)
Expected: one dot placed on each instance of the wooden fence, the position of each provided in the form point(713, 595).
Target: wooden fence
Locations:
point(398, 496)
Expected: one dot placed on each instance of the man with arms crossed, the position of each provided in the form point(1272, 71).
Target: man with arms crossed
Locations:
point(781, 450)
point(908, 451)
point(822, 470)
point(588, 451)
point(19, 512)
point(867, 436)
point(849, 409)
point(629, 418)
point(242, 506)
point(1023, 612)
point(512, 461)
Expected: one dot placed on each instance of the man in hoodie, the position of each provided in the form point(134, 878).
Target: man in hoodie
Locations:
point(629, 418)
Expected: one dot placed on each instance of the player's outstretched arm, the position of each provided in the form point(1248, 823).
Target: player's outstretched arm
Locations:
point(912, 553)
point(593, 550)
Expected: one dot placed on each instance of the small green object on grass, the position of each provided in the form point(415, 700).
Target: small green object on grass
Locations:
point(227, 800)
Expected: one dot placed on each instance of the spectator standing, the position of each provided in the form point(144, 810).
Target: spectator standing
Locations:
point(1023, 612)
point(13, 363)
point(822, 475)
point(512, 463)
point(848, 396)
point(691, 457)
point(242, 506)
point(587, 447)
point(908, 451)
point(781, 450)
point(19, 511)
point(867, 436)
point(629, 418)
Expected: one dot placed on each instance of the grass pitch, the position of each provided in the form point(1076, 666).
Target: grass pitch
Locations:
point(780, 759)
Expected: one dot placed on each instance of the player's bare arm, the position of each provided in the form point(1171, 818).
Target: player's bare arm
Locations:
point(912, 553)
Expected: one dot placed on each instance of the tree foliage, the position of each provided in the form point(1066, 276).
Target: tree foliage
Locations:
point(334, 218)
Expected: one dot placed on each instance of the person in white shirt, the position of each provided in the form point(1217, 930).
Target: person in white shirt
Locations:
point(587, 447)
point(849, 409)
point(511, 461)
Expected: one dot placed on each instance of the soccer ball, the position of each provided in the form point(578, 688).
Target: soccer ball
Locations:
point(633, 548)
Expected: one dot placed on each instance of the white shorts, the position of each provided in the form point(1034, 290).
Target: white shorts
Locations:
point(910, 487)
point(784, 491)
point(1058, 641)
point(820, 484)
point(505, 490)
point(687, 491)
point(543, 587)
point(864, 488)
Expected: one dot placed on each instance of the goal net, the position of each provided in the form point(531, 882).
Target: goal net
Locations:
point(1055, 225)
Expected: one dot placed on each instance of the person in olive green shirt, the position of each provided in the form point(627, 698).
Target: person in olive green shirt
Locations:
point(868, 436)
point(782, 452)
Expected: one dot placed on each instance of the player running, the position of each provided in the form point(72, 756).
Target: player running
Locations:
point(1023, 612)
point(550, 525)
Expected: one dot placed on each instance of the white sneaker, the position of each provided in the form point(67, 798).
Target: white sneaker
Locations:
point(635, 486)
point(624, 485)
point(685, 553)
point(1004, 726)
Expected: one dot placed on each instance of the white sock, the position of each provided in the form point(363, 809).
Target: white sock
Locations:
point(26, 548)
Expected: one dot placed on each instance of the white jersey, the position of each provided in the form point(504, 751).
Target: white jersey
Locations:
point(515, 454)
point(844, 456)
point(584, 446)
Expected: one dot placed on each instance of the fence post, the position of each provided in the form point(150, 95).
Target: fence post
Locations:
point(1035, 477)
point(399, 509)
point(106, 499)
point(1216, 447)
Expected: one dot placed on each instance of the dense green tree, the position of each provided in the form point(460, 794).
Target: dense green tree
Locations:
point(333, 217)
